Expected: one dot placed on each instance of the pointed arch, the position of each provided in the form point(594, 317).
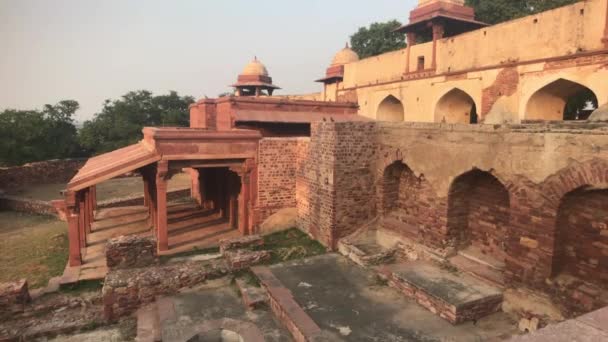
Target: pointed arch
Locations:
point(390, 110)
point(456, 106)
point(561, 99)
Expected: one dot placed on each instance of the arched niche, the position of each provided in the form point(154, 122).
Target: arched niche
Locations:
point(390, 110)
point(456, 106)
point(561, 100)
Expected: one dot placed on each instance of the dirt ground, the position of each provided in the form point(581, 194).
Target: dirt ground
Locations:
point(33, 247)
point(113, 188)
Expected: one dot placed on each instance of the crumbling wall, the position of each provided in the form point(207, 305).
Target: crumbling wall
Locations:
point(130, 251)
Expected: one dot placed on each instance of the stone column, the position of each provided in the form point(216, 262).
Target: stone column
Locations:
point(146, 192)
point(82, 219)
point(244, 203)
point(233, 206)
point(94, 197)
point(75, 258)
point(411, 40)
point(438, 32)
point(162, 235)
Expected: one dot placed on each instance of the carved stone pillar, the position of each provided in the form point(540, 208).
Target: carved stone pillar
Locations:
point(162, 230)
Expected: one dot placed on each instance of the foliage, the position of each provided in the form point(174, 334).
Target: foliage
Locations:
point(497, 11)
point(377, 39)
point(33, 135)
point(120, 122)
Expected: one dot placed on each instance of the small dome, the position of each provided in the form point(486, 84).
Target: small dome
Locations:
point(345, 56)
point(255, 68)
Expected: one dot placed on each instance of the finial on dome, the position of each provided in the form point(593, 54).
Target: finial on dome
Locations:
point(347, 46)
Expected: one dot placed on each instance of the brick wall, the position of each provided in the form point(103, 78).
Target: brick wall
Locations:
point(479, 213)
point(411, 205)
point(45, 172)
point(582, 236)
point(276, 175)
point(315, 193)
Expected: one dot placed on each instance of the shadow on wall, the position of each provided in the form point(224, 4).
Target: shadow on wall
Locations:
point(391, 110)
point(456, 106)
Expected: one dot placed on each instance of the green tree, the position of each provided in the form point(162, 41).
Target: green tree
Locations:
point(35, 135)
point(377, 39)
point(120, 121)
point(497, 11)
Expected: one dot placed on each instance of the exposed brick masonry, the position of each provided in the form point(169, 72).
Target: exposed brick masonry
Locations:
point(505, 85)
point(276, 175)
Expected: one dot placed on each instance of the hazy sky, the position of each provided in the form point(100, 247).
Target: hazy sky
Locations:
point(91, 50)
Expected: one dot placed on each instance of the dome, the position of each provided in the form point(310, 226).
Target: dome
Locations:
point(255, 68)
point(345, 56)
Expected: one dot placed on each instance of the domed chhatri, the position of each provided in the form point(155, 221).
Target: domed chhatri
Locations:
point(335, 72)
point(345, 56)
point(254, 80)
point(255, 68)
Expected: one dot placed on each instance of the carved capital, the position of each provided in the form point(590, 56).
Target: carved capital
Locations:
point(162, 171)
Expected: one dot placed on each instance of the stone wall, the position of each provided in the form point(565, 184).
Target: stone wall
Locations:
point(125, 290)
point(315, 192)
point(513, 179)
point(130, 252)
point(276, 176)
point(45, 172)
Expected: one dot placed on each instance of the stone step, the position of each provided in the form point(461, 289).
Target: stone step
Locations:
point(148, 324)
point(481, 271)
point(453, 296)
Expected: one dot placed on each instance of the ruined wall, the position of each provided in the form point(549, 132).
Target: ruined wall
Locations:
point(276, 175)
point(315, 192)
point(340, 183)
point(45, 172)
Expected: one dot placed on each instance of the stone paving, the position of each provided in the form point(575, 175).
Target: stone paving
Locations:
point(348, 301)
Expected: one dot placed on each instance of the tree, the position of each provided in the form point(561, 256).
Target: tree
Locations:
point(35, 135)
point(497, 11)
point(120, 122)
point(377, 39)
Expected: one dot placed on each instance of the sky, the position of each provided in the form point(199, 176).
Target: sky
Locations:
point(92, 50)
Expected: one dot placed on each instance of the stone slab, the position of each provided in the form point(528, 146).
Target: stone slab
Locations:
point(456, 289)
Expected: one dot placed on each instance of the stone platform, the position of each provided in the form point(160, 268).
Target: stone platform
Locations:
point(329, 298)
point(454, 296)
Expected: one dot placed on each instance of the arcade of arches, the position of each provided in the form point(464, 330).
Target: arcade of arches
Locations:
point(476, 225)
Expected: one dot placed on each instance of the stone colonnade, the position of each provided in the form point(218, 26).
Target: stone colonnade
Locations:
point(234, 201)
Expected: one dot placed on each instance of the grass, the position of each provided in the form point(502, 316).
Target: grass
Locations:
point(33, 247)
point(291, 244)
